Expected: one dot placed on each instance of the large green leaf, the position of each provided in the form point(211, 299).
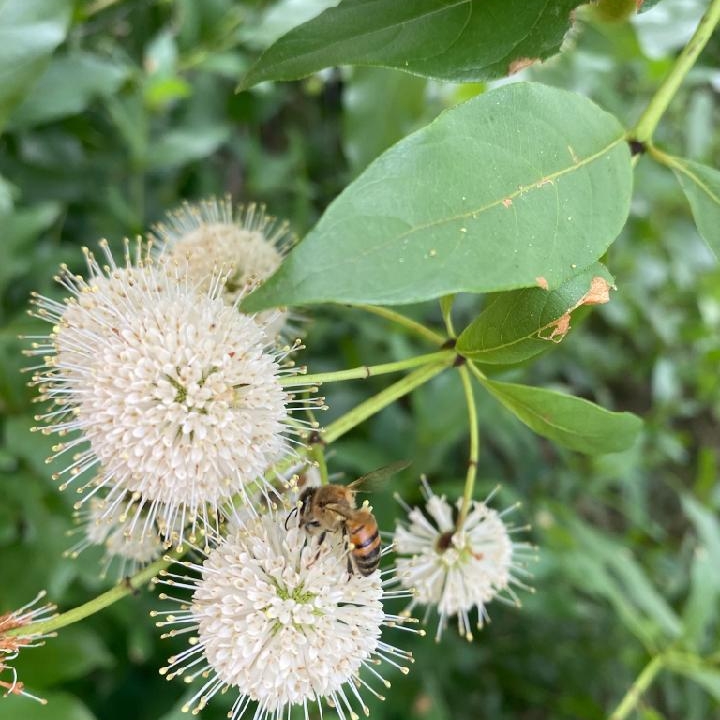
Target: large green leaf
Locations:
point(520, 324)
point(461, 40)
point(68, 85)
point(29, 31)
point(520, 186)
point(573, 422)
point(701, 185)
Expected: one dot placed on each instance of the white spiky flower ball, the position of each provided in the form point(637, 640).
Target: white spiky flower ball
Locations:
point(172, 399)
point(277, 618)
point(458, 569)
point(242, 242)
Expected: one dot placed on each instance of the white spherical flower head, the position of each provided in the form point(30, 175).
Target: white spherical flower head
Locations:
point(176, 395)
point(279, 619)
point(243, 242)
point(456, 569)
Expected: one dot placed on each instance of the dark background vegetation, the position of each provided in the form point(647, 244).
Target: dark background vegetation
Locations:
point(137, 111)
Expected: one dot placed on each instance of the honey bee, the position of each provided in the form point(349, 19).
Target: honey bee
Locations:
point(331, 509)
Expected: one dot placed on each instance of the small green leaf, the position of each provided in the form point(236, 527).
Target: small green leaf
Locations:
point(520, 324)
point(614, 572)
point(185, 144)
point(701, 606)
point(701, 185)
point(573, 422)
point(29, 31)
point(460, 40)
point(60, 706)
point(707, 677)
point(523, 182)
point(68, 86)
point(20, 229)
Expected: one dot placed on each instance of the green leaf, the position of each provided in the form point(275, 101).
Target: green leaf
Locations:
point(74, 653)
point(180, 146)
point(367, 132)
point(68, 86)
point(701, 607)
point(707, 677)
point(29, 31)
point(20, 229)
point(520, 324)
point(573, 422)
point(60, 706)
point(521, 183)
point(612, 571)
point(460, 40)
point(701, 185)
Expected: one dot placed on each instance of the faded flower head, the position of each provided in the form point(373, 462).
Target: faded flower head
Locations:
point(277, 618)
point(243, 243)
point(10, 645)
point(171, 397)
point(455, 568)
point(130, 539)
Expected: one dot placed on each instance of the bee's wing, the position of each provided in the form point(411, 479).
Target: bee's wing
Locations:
point(376, 478)
point(341, 510)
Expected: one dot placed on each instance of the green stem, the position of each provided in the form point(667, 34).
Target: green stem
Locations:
point(366, 371)
point(376, 403)
point(474, 446)
point(641, 684)
point(412, 325)
point(317, 453)
point(125, 588)
point(648, 121)
point(476, 371)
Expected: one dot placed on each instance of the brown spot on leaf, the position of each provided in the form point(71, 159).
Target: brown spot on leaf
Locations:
point(542, 282)
point(520, 64)
point(507, 202)
point(598, 294)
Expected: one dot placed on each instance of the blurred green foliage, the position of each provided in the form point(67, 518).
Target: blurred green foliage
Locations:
point(135, 111)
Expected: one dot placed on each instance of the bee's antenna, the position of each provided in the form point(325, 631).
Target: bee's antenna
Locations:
point(290, 514)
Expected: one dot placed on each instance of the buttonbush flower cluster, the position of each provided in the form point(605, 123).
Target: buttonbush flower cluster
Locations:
point(176, 425)
point(457, 567)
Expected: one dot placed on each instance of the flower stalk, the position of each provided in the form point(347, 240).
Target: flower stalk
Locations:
point(121, 590)
point(411, 325)
point(657, 106)
point(474, 446)
point(363, 372)
point(385, 397)
point(638, 688)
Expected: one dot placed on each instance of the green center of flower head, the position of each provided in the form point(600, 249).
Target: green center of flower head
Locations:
point(292, 608)
point(298, 594)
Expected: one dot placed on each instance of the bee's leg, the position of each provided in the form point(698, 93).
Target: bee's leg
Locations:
point(349, 553)
point(320, 542)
